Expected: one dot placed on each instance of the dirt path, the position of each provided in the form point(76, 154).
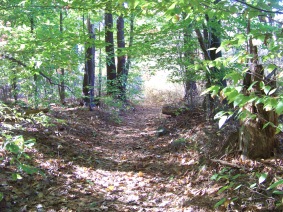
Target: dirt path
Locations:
point(94, 164)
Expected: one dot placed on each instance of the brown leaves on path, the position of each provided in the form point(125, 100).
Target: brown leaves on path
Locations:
point(92, 163)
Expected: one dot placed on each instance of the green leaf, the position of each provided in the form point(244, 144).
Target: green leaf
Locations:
point(222, 121)
point(13, 148)
point(279, 128)
point(266, 89)
point(172, 6)
point(224, 188)
point(265, 125)
point(241, 39)
point(214, 177)
point(279, 107)
point(253, 185)
point(219, 49)
point(16, 176)
point(236, 176)
point(213, 89)
point(262, 178)
point(274, 185)
point(237, 187)
point(277, 192)
point(26, 156)
point(272, 91)
point(219, 114)
point(251, 86)
point(28, 169)
point(1, 196)
point(235, 76)
point(220, 202)
point(271, 67)
point(30, 143)
point(261, 84)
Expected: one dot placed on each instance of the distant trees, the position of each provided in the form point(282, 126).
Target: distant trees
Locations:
point(40, 59)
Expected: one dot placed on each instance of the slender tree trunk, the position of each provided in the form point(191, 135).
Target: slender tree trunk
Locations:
point(190, 85)
point(100, 67)
point(208, 41)
point(131, 42)
point(15, 86)
point(121, 60)
point(61, 88)
point(256, 142)
point(110, 55)
point(35, 76)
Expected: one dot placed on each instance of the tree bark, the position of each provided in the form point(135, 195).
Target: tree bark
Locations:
point(256, 142)
point(89, 76)
point(15, 86)
point(110, 55)
point(99, 66)
point(121, 59)
point(131, 41)
point(190, 84)
point(62, 92)
point(210, 40)
point(35, 77)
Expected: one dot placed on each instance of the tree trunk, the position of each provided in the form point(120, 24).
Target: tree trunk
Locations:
point(256, 142)
point(211, 40)
point(131, 41)
point(190, 84)
point(15, 86)
point(35, 77)
point(61, 87)
point(121, 60)
point(89, 76)
point(36, 91)
point(100, 67)
point(110, 55)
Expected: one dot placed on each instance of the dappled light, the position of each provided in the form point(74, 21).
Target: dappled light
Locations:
point(141, 105)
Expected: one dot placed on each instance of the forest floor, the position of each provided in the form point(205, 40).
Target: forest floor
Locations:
point(137, 160)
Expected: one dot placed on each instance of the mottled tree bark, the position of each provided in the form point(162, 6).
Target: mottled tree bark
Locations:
point(121, 59)
point(61, 88)
point(190, 85)
point(89, 76)
point(256, 142)
point(110, 55)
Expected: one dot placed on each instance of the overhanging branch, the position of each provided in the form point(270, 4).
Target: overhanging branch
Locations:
point(10, 58)
point(256, 8)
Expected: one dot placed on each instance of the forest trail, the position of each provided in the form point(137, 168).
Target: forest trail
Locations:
point(135, 160)
point(93, 163)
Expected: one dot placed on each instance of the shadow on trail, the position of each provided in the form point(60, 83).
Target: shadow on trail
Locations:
point(89, 167)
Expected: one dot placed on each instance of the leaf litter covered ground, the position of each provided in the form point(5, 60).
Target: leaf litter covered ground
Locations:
point(139, 161)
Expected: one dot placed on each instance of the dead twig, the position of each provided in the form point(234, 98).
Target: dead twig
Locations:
point(225, 163)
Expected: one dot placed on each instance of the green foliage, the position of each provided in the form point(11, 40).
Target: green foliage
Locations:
point(114, 106)
point(17, 147)
point(134, 86)
point(254, 182)
point(231, 184)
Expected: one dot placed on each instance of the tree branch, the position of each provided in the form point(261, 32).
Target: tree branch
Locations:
point(202, 44)
point(42, 74)
point(256, 8)
point(225, 163)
